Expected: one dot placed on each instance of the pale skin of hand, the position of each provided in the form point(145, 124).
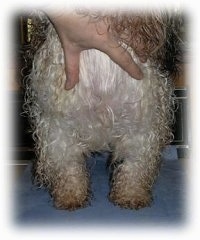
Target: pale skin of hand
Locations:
point(78, 33)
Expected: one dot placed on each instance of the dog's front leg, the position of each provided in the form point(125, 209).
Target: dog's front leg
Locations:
point(134, 174)
point(71, 187)
point(61, 165)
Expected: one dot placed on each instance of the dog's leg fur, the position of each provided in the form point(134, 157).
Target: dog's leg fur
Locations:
point(61, 166)
point(136, 156)
point(133, 178)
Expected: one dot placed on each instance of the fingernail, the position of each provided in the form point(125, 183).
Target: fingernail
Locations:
point(68, 85)
point(139, 75)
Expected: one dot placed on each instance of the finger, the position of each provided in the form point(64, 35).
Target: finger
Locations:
point(143, 59)
point(121, 56)
point(71, 68)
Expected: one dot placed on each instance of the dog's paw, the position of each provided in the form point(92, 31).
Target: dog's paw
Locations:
point(71, 195)
point(131, 200)
point(70, 202)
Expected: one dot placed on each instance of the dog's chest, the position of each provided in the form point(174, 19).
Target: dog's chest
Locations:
point(105, 102)
point(103, 83)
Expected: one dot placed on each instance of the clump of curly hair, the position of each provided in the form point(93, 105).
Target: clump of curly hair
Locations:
point(159, 36)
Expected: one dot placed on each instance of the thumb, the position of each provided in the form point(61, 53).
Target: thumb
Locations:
point(71, 68)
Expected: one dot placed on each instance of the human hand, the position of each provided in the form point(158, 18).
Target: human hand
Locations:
point(78, 33)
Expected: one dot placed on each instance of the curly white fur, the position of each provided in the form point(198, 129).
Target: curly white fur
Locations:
point(107, 110)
